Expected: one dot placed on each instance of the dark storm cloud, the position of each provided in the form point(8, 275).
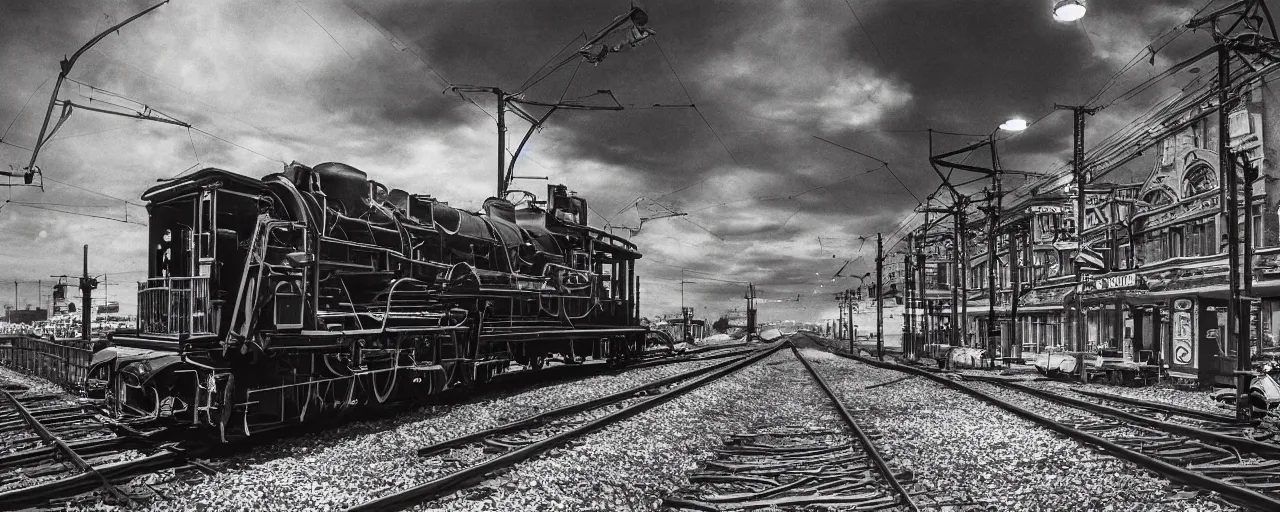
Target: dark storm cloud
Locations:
point(766, 76)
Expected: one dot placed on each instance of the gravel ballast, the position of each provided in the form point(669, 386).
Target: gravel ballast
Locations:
point(348, 465)
point(963, 450)
point(634, 464)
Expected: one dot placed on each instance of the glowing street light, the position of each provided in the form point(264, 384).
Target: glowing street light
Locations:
point(1068, 10)
point(1014, 125)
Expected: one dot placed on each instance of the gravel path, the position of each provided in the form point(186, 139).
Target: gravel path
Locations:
point(348, 465)
point(633, 464)
point(965, 451)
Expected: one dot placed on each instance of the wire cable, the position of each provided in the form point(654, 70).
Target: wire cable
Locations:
point(21, 110)
point(326, 31)
point(693, 104)
point(239, 146)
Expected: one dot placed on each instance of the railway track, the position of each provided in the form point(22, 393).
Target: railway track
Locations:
point(791, 467)
point(57, 452)
point(1202, 451)
point(466, 460)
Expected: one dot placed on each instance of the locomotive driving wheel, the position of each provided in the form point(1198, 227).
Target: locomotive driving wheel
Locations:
point(228, 407)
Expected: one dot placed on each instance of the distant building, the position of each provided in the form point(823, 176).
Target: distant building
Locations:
point(27, 316)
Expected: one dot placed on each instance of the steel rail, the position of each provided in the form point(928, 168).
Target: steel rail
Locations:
point(679, 359)
point(86, 447)
point(441, 486)
point(1241, 443)
point(542, 418)
point(872, 452)
point(1239, 495)
point(1169, 408)
point(27, 497)
point(51, 439)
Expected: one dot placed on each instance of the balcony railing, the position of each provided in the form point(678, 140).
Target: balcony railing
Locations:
point(175, 305)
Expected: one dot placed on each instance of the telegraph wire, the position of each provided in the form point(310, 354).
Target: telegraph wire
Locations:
point(1179, 29)
point(26, 203)
point(326, 31)
point(526, 85)
point(658, 44)
point(118, 128)
point(30, 205)
point(126, 201)
point(866, 33)
point(21, 110)
point(413, 50)
point(239, 146)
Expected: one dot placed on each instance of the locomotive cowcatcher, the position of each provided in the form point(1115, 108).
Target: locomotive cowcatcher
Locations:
point(315, 290)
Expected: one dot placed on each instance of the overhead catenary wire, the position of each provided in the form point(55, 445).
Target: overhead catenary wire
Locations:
point(692, 103)
point(239, 146)
point(24, 108)
point(82, 214)
point(413, 49)
point(874, 46)
point(1176, 31)
point(126, 201)
point(534, 78)
point(326, 31)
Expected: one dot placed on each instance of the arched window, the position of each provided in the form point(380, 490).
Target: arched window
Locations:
point(1199, 180)
point(1157, 198)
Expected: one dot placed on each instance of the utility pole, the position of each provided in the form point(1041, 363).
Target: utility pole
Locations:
point(848, 304)
point(1014, 283)
point(840, 316)
point(1240, 334)
point(908, 287)
point(879, 296)
point(15, 301)
point(87, 284)
point(751, 310)
point(1078, 113)
point(959, 288)
point(922, 265)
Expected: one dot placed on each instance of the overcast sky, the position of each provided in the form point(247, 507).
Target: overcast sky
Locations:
point(277, 80)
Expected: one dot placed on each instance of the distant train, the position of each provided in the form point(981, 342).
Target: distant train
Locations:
point(270, 301)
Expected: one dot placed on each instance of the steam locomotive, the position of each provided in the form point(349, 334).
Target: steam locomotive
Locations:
point(270, 301)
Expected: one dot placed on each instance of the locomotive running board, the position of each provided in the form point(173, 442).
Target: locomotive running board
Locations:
point(565, 333)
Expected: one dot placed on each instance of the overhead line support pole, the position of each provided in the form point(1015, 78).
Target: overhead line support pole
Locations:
point(1077, 162)
point(1239, 334)
point(879, 296)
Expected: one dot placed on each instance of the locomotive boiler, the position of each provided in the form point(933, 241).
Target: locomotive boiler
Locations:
point(315, 290)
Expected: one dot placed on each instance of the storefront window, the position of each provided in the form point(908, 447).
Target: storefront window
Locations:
point(1270, 320)
point(1256, 224)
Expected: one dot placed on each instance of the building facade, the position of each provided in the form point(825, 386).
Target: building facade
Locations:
point(1151, 252)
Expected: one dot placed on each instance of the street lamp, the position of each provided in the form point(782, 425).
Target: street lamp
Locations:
point(1014, 125)
point(1068, 10)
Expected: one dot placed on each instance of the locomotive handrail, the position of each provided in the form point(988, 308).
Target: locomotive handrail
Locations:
point(391, 294)
point(172, 305)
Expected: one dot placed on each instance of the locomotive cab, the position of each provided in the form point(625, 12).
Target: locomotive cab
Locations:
point(194, 233)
